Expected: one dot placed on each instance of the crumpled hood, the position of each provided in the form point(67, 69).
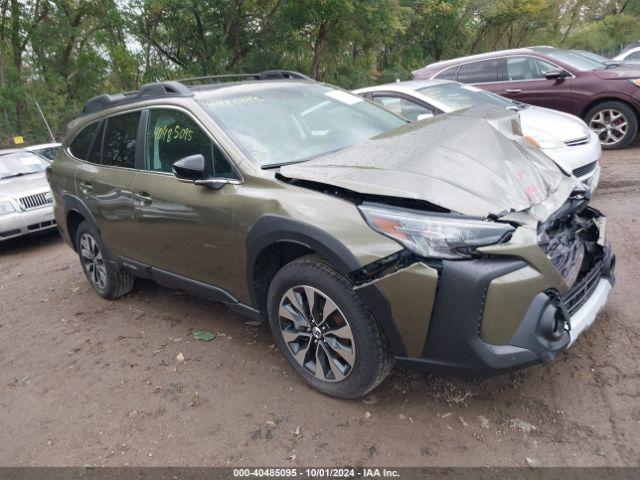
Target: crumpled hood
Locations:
point(472, 162)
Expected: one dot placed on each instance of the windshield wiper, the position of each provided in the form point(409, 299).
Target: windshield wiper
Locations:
point(20, 174)
point(306, 159)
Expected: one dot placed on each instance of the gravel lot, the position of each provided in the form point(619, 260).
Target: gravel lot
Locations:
point(90, 381)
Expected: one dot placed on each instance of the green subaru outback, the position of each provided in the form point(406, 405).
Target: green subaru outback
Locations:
point(364, 241)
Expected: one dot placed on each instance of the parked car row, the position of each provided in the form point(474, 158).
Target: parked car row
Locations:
point(605, 95)
point(26, 204)
point(454, 244)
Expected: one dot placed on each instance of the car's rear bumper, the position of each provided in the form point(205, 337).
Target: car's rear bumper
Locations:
point(23, 223)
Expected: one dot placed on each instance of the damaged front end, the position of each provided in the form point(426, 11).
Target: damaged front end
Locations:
point(574, 240)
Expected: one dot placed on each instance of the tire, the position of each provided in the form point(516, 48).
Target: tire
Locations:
point(341, 325)
point(104, 275)
point(615, 123)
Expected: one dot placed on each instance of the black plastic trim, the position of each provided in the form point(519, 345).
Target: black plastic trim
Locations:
point(73, 203)
point(273, 229)
point(197, 288)
point(194, 287)
point(453, 342)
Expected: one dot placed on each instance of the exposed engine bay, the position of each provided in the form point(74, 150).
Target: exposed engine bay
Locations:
point(573, 239)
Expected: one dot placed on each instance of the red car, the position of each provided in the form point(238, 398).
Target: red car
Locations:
point(606, 96)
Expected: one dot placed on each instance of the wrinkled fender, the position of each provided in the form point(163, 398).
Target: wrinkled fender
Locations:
point(272, 229)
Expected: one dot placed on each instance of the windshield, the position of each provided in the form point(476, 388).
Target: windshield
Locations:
point(594, 56)
point(48, 152)
point(21, 163)
point(575, 60)
point(278, 123)
point(457, 96)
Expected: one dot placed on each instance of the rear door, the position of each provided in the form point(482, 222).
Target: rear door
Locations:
point(525, 82)
point(104, 182)
point(186, 229)
point(486, 74)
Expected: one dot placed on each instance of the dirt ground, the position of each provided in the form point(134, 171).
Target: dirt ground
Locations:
point(85, 381)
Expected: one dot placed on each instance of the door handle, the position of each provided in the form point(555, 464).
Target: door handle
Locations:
point(513, 90)
point(143, 198)
point(86, 187)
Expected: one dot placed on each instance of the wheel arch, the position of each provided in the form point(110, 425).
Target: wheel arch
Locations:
point(275, 241)
point(75, 213)
point(281, 240)
point(600, 100)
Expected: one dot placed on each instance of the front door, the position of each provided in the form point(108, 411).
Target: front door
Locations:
point(185, 229)
point(105, 180)
point(525, 82)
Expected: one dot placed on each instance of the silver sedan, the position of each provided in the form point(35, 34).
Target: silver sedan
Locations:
point(26, 204)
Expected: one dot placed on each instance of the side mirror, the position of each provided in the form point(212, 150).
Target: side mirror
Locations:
point(424, 116)
point(555, 74)
point(191, 170)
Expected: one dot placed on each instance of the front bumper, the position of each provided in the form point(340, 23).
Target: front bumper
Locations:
point(454, 343)
point(26, 222)
point(572, 159)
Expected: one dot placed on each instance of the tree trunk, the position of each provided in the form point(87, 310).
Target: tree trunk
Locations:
point(317, 50)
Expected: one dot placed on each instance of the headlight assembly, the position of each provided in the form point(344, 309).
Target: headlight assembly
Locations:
point(435, 235)
point(542, 139)
point(6, 208)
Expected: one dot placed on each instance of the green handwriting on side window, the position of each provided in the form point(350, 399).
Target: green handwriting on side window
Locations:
point(170, 134)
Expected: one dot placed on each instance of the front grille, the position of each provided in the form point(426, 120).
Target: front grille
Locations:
point(577, 141)
point(582, 289)
point(37, 200)
point(585, 169)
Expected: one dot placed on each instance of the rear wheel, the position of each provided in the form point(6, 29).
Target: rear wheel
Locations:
point(324, 330)
point(615, 123)
point(103, 274)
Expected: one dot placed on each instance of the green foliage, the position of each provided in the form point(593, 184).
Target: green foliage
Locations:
point(61, 52)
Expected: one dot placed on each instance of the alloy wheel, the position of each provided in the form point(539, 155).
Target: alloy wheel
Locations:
point(317, 333)
point(93, 261)
point(610, 125)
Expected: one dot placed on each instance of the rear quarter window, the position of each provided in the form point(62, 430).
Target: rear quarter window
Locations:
point(448, 74)
point(479, 72)
point(79, 147)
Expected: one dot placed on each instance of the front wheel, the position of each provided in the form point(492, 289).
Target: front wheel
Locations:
point(615, 123)
point(325, 331)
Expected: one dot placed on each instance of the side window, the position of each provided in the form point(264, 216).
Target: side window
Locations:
point(95, 155)
point(172, 135)
point(119, 145)
point(402, 106)
point(79, 148)
point(634, 56)
point(479, 72)
point(448, 74)
point(527, 68)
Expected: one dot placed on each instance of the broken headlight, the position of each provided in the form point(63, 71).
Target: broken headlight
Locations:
point(435, 235)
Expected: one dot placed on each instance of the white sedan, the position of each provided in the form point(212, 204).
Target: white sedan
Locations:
point(563, 137)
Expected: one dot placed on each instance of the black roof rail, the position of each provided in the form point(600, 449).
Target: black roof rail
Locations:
point(147, 91)
point(177, 88)
point(265, 75)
